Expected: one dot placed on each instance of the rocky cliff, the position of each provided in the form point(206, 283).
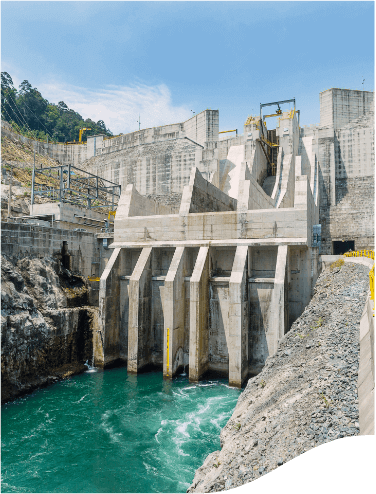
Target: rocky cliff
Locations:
point(306, 394)
point(46, 324)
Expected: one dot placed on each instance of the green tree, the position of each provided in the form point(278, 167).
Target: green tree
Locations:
point(30, 112)
point(8, 98)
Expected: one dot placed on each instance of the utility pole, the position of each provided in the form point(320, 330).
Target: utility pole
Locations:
point(10, 192)
point(32, 189)
point(364, 103)
point(139, 122)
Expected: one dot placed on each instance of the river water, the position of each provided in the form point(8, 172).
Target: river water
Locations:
point(113, 432)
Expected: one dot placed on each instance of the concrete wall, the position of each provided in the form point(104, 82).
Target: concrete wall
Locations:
point(200, 196)
point(68, 216)
point(82, 252)
point(250, 194)
point(20, 240)
point(353, 216)
point(366, 377)
point(340, 106)
point(258, 224)
point(132, 203)
point(203, 127)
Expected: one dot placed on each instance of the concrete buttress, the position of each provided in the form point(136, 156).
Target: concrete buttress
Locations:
point(174, 311)
point(199, 310)
point(238, 319)
point(278, 306)
point(109, 293)
point(139, 326)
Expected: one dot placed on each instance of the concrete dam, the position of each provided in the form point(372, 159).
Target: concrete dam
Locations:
point(208, 265)
point(216, 242)
point(216, 284)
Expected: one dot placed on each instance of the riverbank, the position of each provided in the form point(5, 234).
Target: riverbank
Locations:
point(305, 396)
point(46, 325)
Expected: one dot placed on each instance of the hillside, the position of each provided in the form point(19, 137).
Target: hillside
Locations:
point(305, 396)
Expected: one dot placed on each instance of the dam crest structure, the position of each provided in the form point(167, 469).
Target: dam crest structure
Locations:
point(215, 283)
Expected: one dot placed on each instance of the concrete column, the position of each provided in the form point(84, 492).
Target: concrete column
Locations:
point(199, 310)
point(174, 311)
point(238, 319)
point(106, 344)
point(332, 168)
point(139, 321)
point(277, 306)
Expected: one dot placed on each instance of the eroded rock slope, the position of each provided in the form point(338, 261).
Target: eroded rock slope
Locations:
point(306, 394)
point(46, 325)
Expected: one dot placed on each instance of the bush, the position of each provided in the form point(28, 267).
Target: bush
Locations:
point(337, 264)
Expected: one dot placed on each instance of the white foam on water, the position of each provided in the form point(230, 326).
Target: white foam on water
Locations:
point(36, 454)
point(150, 468)
point(80, 399)
point(115, 437)
point(182, 429)
point(156, 435)
point(219, 419)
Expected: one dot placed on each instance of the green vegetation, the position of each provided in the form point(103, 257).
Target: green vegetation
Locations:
point(325, 400)
point(317, 325)
point(33, 116)
point(337, 264)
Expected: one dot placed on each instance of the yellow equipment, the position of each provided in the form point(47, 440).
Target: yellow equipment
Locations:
point(80, 134)
point(93, 278)
point(111, 213)
point(225, 131)
point(253, 120)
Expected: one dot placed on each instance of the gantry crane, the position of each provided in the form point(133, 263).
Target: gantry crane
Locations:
point(80, 134)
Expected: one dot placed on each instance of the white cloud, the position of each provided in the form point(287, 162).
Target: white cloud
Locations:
point(119, 106)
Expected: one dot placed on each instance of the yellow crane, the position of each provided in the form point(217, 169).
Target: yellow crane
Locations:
point(80, 134)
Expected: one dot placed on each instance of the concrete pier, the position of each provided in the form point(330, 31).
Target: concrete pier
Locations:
point(139, 327)
point(199, 307)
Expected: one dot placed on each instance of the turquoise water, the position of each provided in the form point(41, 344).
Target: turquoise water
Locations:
point(110, 432)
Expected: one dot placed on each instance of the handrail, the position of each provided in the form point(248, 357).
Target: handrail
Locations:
point(371, 255)
point(361, 253)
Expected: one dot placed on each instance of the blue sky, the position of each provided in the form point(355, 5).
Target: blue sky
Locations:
point(116, 60)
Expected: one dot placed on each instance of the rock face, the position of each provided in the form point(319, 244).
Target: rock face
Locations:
point(46, 325)
point(306, 394)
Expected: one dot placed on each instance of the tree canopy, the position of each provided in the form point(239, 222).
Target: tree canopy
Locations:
point(33, 115)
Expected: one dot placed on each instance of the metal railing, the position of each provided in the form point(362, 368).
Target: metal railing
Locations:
point(371, 255)
point(361, 253)
point(372, 283)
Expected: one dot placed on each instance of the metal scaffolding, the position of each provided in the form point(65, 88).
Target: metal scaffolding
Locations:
point(75, 186)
